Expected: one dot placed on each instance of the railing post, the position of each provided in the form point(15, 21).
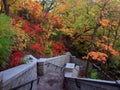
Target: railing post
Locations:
point(1, 84)
point(40, 68)
point(118, 82)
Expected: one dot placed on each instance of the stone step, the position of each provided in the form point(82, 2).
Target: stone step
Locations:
point(51, 81)
point(71, 70)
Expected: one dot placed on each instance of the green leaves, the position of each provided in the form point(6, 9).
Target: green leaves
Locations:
point(5, 39)
point(94, 74)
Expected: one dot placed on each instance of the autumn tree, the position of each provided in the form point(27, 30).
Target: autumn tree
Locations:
point(104, 33)
point(86, 22)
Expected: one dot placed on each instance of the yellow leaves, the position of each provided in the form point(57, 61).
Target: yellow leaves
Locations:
point(34, 7)
point(67, 31)
point(62, 8)
point(21, 37)
point(92, 13)
point(21, 46)
point(15, 5)
point(50, 33)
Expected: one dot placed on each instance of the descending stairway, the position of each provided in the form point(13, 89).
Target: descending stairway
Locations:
point(51, 81)
point(54, 80)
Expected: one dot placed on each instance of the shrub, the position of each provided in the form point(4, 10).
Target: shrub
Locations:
point(5, 39)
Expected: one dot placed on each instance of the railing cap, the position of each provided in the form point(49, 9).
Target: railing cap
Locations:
point(118, 82)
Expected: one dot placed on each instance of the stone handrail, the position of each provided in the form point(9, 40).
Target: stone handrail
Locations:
point(59, 61)
point(19, 75)
point(90, 84)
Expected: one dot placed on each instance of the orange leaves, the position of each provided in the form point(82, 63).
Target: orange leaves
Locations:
point(96, 56)
point(115, 53)
point(104, 22)
point(107, 47)
point(37, 10)
point(57, 22)
point(114, 23)
point(106, 38)
point(104, 50)
point(34, 8)
point(62, 8)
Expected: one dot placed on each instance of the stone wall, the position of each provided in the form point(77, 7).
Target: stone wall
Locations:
point(20, 75)
point(80, 62)
point(89, 84)
point(43, 65)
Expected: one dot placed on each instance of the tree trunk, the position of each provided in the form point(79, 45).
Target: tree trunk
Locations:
point(6, 7)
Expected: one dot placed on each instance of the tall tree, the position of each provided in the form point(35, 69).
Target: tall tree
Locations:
point(6, 7)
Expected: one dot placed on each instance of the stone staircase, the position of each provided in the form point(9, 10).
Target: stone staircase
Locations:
point(57, 73)
point(71, 70)
point(54, 80)
point(51, 81)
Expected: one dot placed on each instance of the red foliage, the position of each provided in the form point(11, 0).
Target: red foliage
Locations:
point(58, 48)
point(41, 39)
point(37, 27)
point(46, 15)
point(16, 58)
point(14, 22)
point(27, 27)
point(36, 47)
point(37, 32)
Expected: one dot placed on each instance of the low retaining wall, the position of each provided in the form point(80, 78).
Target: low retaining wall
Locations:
point(90, 84)
point(43, 63)
point(81, 63)
point(20, 75)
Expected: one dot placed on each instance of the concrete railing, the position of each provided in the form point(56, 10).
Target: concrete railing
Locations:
point(19, 75)
point(73, 83)
point(90, 84)
point(44, 67)
point(27, 72)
